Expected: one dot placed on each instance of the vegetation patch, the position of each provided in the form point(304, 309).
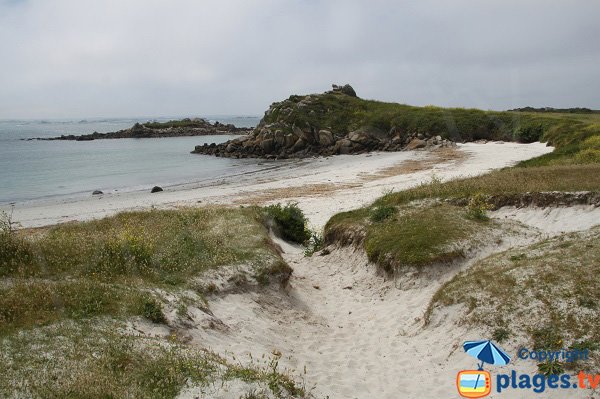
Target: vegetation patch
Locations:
point(504, 182)
point(342, 114)
point(163, 247)
point(289, 221)
point(420, 237)
point(114, 266)
point(85, 360)
point(537, 296)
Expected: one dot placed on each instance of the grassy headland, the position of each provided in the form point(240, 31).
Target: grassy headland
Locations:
point(335, 122)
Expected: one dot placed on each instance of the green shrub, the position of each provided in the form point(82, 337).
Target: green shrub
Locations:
point(528, 134)
point(152, 310)
point(551, 368)
point(478, 207)
point(546, 338)
point(588, 155)
point(585, 345)
point(381, 213)
point(500, 334)
point(290, 221)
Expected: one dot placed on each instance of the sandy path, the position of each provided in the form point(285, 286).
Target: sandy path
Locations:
point(356, 334)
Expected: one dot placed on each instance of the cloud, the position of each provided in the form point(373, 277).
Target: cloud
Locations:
point(78, 58)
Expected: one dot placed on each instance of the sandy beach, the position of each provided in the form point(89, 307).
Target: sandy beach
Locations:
point(299, 200)
point(339, 325)
point(321, 186)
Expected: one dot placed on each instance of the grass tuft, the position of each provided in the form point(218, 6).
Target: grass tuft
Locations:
point(420, 237)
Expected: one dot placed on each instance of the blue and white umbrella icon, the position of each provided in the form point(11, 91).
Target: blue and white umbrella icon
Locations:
point(487, 352)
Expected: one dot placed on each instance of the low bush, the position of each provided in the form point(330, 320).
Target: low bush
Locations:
point(314, 244)
point(289, 221)
point(381, 213)
point(152, 310)
point(478, 207)
point(551, 368)
point(500, 334)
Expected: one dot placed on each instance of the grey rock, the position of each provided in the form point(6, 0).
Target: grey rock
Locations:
point(268, 145)
point(97, 192)
point(416, 143)
point(308, 136)
point(290, 140)
point(299, 145)
point(345, 89)
point(325, 138)
point(279, 138)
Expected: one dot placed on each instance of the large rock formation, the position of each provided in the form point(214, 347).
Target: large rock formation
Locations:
point(319, 124)
point(180, 128)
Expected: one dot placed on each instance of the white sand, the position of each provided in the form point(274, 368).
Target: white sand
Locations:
point(354, 333)
point(553, 221)
point(342, 182)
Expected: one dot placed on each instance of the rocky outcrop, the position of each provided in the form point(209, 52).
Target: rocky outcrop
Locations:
point(345, 89)
point(181, 128)
point(319, 124)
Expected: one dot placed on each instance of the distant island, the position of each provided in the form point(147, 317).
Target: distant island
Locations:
point(175, 128)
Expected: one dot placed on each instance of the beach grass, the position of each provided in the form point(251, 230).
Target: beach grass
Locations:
point(69, 292)
point(548, 292)
point(385, 239)
point(504, 182)
point(100, 360)
point(118, 265)
point(159, 246)
point(422, 236)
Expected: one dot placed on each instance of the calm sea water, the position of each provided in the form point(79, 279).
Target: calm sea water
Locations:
point(32, 170)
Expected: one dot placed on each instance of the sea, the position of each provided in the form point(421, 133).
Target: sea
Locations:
point(36, 170)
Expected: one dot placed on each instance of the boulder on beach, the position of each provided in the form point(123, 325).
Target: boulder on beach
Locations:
point(156, 189)
point(97, 192)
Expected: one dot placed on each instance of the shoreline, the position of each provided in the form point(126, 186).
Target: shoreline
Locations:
point(321, 186)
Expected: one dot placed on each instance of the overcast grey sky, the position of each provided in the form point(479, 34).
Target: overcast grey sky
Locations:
point(85, 58)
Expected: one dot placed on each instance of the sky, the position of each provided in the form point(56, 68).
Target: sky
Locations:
point(125, 58)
